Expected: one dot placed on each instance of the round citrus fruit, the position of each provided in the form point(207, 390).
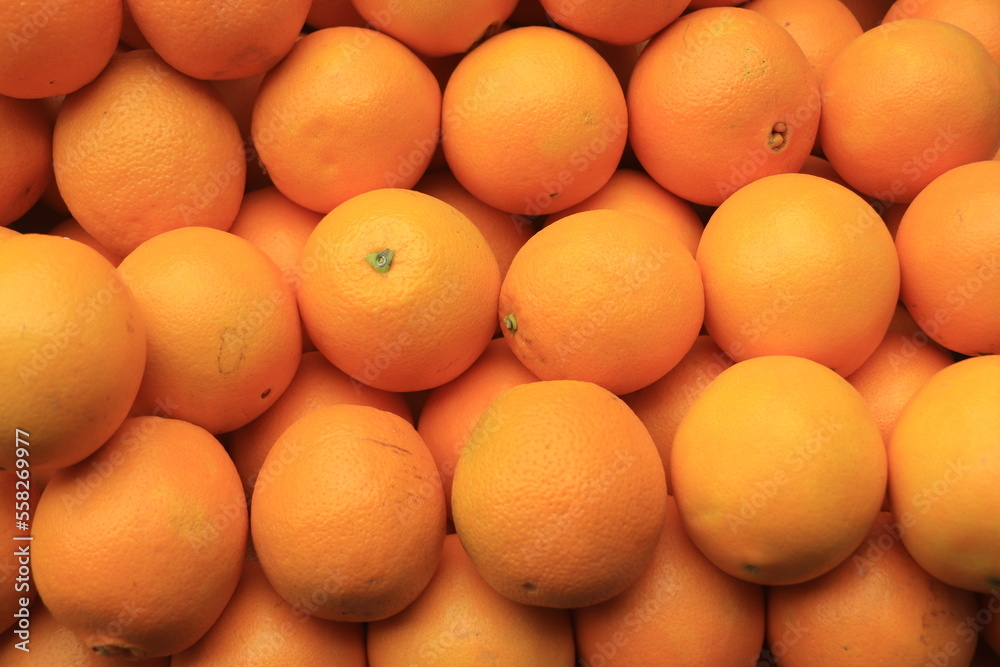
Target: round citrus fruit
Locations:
point(26, 147)
point(981, 18)
point(615, 22)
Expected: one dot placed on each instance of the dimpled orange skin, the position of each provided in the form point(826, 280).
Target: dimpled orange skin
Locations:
point(686, 129)
point(64, 307)
point(876, 609)
point(138, 548)
point(797, 264)
point(70, 48)
point(145, 149)
point(944, 459)
point(348, 110)
point(605, 296)
point(259, 629)
point(350, 526)
point(979, 17)
point(460, 620)
point(425, 319)
point(559, 495)
point(949, 258)
point(624, 23)
point(945, 89)
point(233, 41)
point(778, 469)
point(26, 147)
point(224, 334)
point(552, 102)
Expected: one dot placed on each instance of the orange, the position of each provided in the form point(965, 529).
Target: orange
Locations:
point(278, 227)
point(7, 232)
point(623, 23)
point(892, 214)
point(722, 97)
point(868, 12)
point(635, 192)
point(554, 105)
point(663, 404)
point(436, 28)
point(239, 96)
point(559, 495)
point(944, 90)
point(949, 258)
point(138, 548)
point(145, 149)
point(451, 411)
point(460, 620)
point(55, 48)
point(904, 322)
point(259, 629)
point(317, 384)
point(229, 42)
point(399, 290)
point(796, 264)
point(943, 465)
point(822, 28)
point(704, 4)
point(26, 147)
point(71, 229)
point(898, 367)
point(818, 166)
point(682, 612)
point(333, 13)
point(876, 609)
point(347, 111)
point(65, 307)
point(529, 12)
point(349, 521)
point(505, 232)
point(19, 493)
point(609, 297)
point(981, 18)
point(224, 333)
point(131, 36)
point(778, 469)
point(51, 643)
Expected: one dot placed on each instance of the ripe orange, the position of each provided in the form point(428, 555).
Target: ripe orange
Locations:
point(451, 411)
point(51, 643)
point(949, 258)
point(796, 264)
point(224, 333)
point(239, 96)
point(55, 48)
point(230, 42)
point(869, 13)
point(436, 28)
point(778, 469)
point(138, 548)
point(981, 18)
point(349, 521)
point(505, 232)
point(460, 620)
point(663, 404)
point(347, 111)
point(898, 367)
point(554, 105)
point(878, 608)
point(821, 167)
point(7, 232)
point(559, 495)
point(892, 215)
point(399, 290)
point(64, 308)
point(944, 89)
point(720, 98)
point(259, 629)
point(19, 494)
point(822, 28)
point(131, 36)
point(71, 229)
point(317, 384)
point(683, 612)
point(605, 296)
point(704, 4)
point(278, 227)
point(26, 147)
point(333, 13)
point(635, 192)
point(615, 22)
point(145, 149)
point(943, 466)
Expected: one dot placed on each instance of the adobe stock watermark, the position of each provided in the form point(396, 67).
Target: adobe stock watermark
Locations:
point(33, 23)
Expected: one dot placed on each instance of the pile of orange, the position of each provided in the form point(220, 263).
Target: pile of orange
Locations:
point(551, 332)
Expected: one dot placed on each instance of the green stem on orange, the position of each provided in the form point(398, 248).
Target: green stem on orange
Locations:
point(380, 261)
point(511, 323)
